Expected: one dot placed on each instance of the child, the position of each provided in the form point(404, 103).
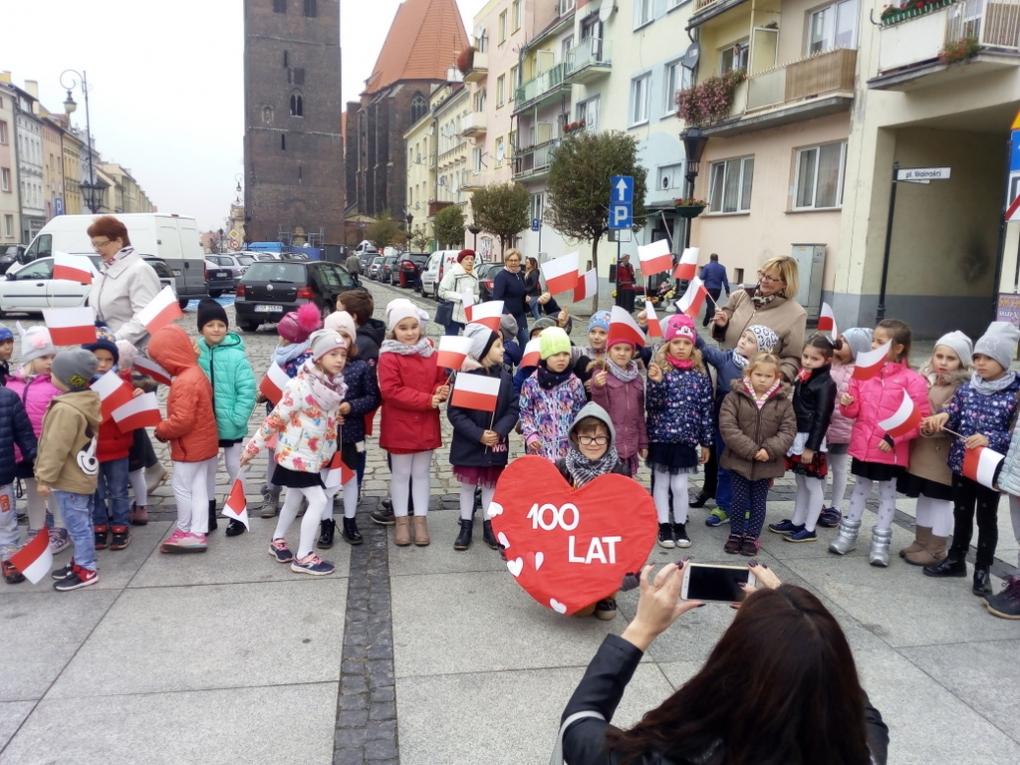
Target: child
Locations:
point(305, 424)
point(34, 387)
point(512, 351)
point(855, 340)
point(928, 477)
point(679, 404)
point(524, 372)
point(481, 440)
point(620, 389)
point(15, 429)
point(877, 456)
point(551, 398)
point(587, 358)
point(758, 426)
point(980, 411)
point(1006, 605)
point(223, 359)
point(144, 468)
point(190, 427)
point(412, 387)
point(592, 453)
point(6, 351)
point(814, 397)
point(66, 465)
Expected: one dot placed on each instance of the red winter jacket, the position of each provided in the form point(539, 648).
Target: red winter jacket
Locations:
point(114, 444)
point(879, 398)
point(406, 385)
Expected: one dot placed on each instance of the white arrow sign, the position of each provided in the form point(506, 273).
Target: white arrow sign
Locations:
point(923, 174)
point(621, 190)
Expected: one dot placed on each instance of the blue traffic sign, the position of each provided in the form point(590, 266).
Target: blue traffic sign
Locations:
point(621, 216)
point(621, 189)
point(1014, 151)
point(536, 224)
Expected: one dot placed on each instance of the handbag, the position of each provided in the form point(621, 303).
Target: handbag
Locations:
point(557, 754)
point(444, 312)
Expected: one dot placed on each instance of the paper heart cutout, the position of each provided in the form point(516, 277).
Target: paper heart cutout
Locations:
point(493, 510)
point(582, 541)
point(515, 566)
point(501, 538)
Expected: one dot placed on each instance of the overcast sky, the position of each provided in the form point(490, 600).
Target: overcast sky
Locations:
point(165, 83)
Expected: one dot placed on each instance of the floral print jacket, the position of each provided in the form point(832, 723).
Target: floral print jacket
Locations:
point(547, 414)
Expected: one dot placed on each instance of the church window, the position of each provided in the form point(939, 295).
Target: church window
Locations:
point(418, 107)
point(297, 106)
point(310, 9)
point(283, 142)
point(279, 6)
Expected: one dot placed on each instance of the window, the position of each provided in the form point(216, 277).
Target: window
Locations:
point(296, 75)
point(643, 10)
point(483, 41)
point(418, 107)
point(566, 6)
point(678, 77)
point(297, 105)
point(501, 28)
point(9, 226)
point(500, 89)
point(588, 113)
point(5, 179)
point(536, 206)
point(279, 6)
point(734, 57)
point(515, 15)
point(283, 142)
point(566, 45)
point(286, 59)
point(479, 101)
point(831, 27)
point(730, 185)
point(639, 99)
point(500, 151)
point(671, 177)
point(311, 9)
point(476, 159)
point(3, 132)
point(819, 176)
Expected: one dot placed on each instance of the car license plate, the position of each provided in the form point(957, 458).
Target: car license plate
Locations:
point(177, 272)
point(220, 275)
point(268, 308)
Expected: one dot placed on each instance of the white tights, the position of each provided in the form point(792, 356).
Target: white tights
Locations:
point(886, 501)
point(664, 481)
point(810, 498)
point(467, 499)
point(316, 497)
point(190, 481)
point(409, 476)
point(349, 491)
point(232, 461)
point(139, 488)
point(839, 469)
point(935, 514)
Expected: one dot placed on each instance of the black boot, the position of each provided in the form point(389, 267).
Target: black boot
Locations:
point(701, 500)
point(951, 566)
point(464, 537)
point(982, 582)
point(212, 515)
point(326, 530)
point(351, 534)
point(235, 528)
point(488, 537)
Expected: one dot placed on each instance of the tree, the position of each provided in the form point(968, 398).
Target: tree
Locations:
point(384, 231)
point(420, 240)
point(579, 185)
point(502, 210)
point(449, 226)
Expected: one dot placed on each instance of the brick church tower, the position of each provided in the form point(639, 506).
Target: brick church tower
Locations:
point(293, 150)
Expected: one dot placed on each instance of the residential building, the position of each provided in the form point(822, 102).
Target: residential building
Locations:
point(29, 152)
point(72, 151)
point(125, 195)
point(421, 173)
point(10, 203)
point(53, 165)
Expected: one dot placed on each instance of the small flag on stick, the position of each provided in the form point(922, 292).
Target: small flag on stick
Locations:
point(475, 392)
point(561, 273)
point(655, 257)
point(73, 268)
point(140, 412)
point(687, 268)
point(488, 314)
point(827, 321)
point(163, 310)
point(152, 370)
point(693, 299)
point(982, 465)
point(273, 383)
point(654, 328)
point(71, 326)
point(453, 349)
point(587, 285)
point(532, 353)
point(35, 560)
point(236, 505)
point(113, 392)
point(622, 325)
point(869, 363)
point(336, 473)
point(905, 419)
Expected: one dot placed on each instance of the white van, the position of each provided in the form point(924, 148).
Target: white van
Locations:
point(171, 238)
point(434, 270)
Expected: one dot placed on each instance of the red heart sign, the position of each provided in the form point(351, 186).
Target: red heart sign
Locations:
point(569, 548)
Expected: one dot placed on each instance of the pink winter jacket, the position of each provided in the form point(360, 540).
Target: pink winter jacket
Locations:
point(840, 426)
point(625, 403)
point(879, 398)
point(36, 394)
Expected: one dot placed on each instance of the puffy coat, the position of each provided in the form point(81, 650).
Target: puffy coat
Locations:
point(783, 316)
point(114, 443)
point(1009, 474)
point(190, 424)
point(680, 408)
point(509, 287)
point(625, 402)
point(233, 384)
point(362, 395)
point(840, 426)
point(123, 288)
point(875, 400)
point(16, 433)
point(548, 413)
point(69, 428)
point(36, 393)
point(971, 412)
point(726, 369)
point(468, 424)
point(370, 337)
point(929, 455)
point(813, 402)
point(456, 282)
point(409, 423)
point(745, 429)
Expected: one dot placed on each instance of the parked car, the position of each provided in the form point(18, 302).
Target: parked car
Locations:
point(269, 290)
point(386, 268)
point(374, 266)
point(163, 271)
point(486, 274)
point(367, 257)
point(410, 267)
point(439, 261)
point(235, 263)
point(219, 279)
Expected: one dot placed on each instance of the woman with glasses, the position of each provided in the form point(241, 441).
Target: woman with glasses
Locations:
point(510, 287)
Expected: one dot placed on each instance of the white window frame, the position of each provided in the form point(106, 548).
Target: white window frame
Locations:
point(644, 13)
point(740, 50)
point(9, 226)
point(828, 42)
point(675, 77)
point(516, 16)
point(740, 164)
point(640, 99)
point(840, 176)
point(584, 111)
point(501, 27)
point(500, 90)
point(4, 135)
point(5, 179)
point(675, 172)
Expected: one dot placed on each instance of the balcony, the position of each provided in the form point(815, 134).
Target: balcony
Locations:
point(473, 125)
point(531, 162)
point(707, 9)
point(479, 68)
point(588, 61)
point(547, 85)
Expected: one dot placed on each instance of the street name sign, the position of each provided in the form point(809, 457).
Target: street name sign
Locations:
point(922, 174)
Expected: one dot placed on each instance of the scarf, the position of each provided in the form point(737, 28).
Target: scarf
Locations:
point(760, 401)
point(681, 364)
point(760, 301)
point(582, 470)
point(739, 361)
point(804, 375)
point(623, 374)
point(422, 348)
point(328, 392)
point(284, 353)
point(988, 387)
point(548, 380)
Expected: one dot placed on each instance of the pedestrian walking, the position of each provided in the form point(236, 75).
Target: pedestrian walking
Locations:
point(713, 274)
point(626, 284)
point(459, 287)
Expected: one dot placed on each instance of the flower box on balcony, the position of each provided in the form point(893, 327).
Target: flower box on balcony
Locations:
point(910, 9)
point(689, 208)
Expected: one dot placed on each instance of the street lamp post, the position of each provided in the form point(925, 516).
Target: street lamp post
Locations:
point(475, 230)
point(78, 79)
point(694, 146)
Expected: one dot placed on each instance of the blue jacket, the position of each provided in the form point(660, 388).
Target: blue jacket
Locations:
point(680, 409)
point(15, 428)
point(971, 412)
point(713, 274)
point(725, 367)
point(509, 287)
point(362, 395)
point(233, 383)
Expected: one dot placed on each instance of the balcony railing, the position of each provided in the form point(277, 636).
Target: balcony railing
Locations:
point(473, 124)
point(991, 24)
point(818, 75)
point(479, 67)
point(588, 61)
point(534, 160)
point(548, 82)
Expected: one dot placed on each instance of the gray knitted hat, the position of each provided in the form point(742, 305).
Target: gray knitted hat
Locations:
point(75, 368)
point(859, 340)
point(999, 342)
point(959, 343)
point(481, 338)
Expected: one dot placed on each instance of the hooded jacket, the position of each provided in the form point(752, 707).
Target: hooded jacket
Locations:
point(466, 449)
point(190, 424)
point(625, 402)
point(15, 433)
point(70, 428)
point(35, 393)
point(370, 337)
point(455, 284)
point(592, 409)
point(745, 429)
point(929, 455)
point(875, 400)
point(233, 384)
point(123, 288)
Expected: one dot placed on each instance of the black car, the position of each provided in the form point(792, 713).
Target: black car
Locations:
point(386, 267)
point(486, 274)
point(218, 279)
point(11, 255)
point(268, 290)
point(409, 269)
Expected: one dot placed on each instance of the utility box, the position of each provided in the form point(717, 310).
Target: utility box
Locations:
point(810, 268)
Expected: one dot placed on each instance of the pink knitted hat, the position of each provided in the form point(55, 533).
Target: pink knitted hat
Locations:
point(680, 325)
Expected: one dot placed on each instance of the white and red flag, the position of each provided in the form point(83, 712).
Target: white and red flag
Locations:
point(587, 285)
point(487, 314)
point(337, 472)
point(475, 392)
point(687, 268)
point(654, 328)
point(140, 412)
point(827, 321)
point(623, 326)
point(693, 299)
point(532, 353)
point(655, 257)
point(71, 326)
point(869, 363)
point(981, 465)
point(453, 349)
point(561, 273)
point(74, 268)
point(163, 310)
point(35, 560)
point(236, 506)
point(273, 383)
point(905, 419)
point(152, 370)
point(113, 392)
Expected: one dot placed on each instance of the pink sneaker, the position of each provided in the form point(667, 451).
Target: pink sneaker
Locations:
point(173, 542)
point(192, 543)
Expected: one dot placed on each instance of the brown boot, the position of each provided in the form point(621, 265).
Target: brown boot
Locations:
point(933, 554)
point(421, 530)
point(402, 531)
point(920, 544)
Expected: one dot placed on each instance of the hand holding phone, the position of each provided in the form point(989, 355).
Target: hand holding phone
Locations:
point(724, 584)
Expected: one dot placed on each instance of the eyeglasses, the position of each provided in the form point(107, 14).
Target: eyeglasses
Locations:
point(99, 245)
point(762, 276)
point(593, 440)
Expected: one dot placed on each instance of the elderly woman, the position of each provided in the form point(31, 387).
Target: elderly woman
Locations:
point(772, 304)
point(458, 282)
point(510, 287)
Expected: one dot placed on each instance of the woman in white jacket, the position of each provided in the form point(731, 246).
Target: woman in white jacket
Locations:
point(459, 281)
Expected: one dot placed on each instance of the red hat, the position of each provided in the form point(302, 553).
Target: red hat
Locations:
point(619, 340)
point(465, 254)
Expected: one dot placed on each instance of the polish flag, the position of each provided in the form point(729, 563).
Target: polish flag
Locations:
point(236, 506)
point(869, 363)
point(655, 257)
point(693, 299)
point(981, 465)
point(561, 273)
point(654, 328)
point(475, 392)
point(74, 268)
point(687, 268)
point(622, 325)
point(113, 392)
point(587, 285)
point(35, 560)
point(827, 321)
point(532, 353)
point(336, 473)
point(453, 349)
point(140, 412)
point(273, 383)
point(487, 314)
point(71, 326)
point(903, 420)
point(152, 370)
point(161, 311)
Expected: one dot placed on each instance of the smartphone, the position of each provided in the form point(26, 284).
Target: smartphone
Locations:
point(721, 583)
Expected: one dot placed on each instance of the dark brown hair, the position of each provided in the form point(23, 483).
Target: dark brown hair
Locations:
point(587, 425)
point(900, 333)
point(358, 303)
point(110, 227)
point(779, 688)
point(822, 344)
